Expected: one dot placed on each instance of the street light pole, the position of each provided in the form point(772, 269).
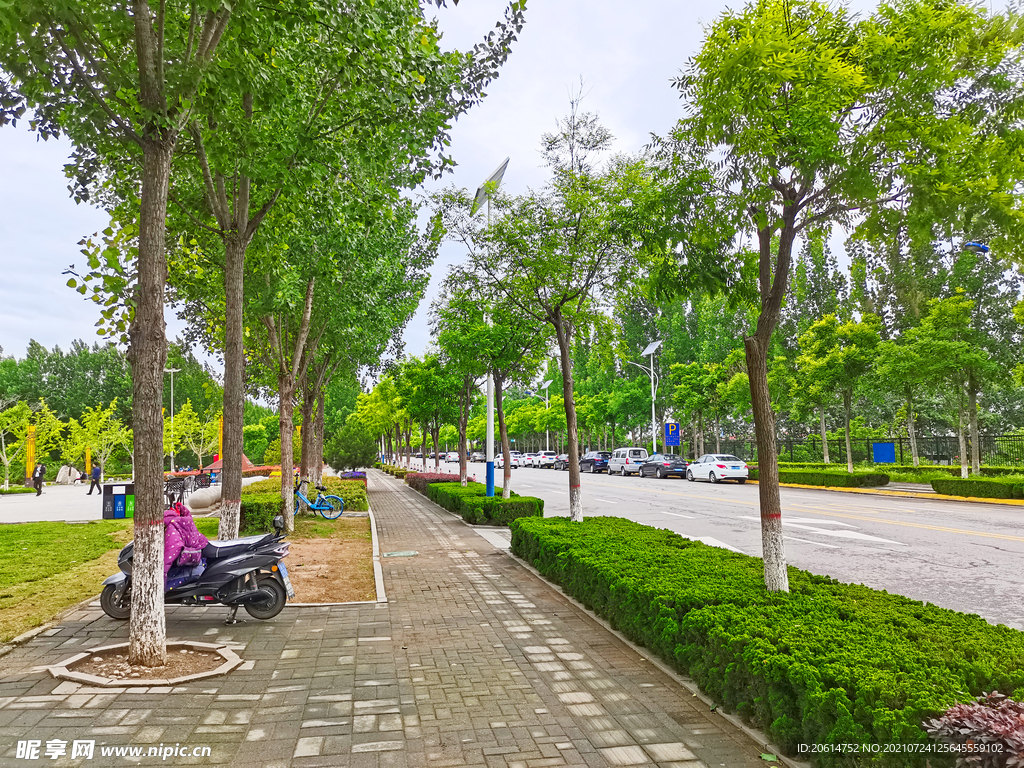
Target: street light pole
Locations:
point(172, 371)
point(483, 194)
point(649, 351)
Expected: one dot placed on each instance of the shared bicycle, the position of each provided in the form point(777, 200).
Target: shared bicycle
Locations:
point(330, 507)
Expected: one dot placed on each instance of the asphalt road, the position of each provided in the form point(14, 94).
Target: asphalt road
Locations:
point(965, 556)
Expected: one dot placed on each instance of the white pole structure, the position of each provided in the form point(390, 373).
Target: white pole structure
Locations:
point(649, 351)
point(483, 193)
point(171, 371)
point(547, 432)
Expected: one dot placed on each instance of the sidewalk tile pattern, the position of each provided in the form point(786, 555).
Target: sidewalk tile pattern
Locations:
point(473, 661)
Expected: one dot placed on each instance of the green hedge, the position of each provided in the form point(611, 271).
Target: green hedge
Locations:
point(258, 512)
point(981, 488)
point(17, 489)
point(828, 663)
point(835, 479)
point(474, 506)
point(352, 491)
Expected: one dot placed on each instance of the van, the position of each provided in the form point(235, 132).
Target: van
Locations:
point(626, 461)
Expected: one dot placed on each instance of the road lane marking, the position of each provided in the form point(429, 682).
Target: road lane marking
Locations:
point(676, 514)
point(941, 528)
point(684, 495)
point(606, 501)
point(812, 520)
point(815, 543)
point(839, 534)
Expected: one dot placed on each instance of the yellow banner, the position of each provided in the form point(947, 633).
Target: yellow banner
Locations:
point(88, 461)
point(220, 442)
point(30, 451)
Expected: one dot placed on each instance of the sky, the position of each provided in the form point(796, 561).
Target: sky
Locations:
point(625, 54)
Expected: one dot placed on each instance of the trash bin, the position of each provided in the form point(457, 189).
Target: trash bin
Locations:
point(119, 501)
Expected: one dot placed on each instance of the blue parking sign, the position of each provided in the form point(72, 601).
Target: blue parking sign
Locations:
point(672, 434)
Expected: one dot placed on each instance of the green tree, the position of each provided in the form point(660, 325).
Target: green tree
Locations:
point(900, 365)
point(103, 433)
point(837, 356)
point(782, 96)
point(953, 359)
point(351, 447)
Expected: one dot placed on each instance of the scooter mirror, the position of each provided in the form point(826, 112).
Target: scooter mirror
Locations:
point(279, 523)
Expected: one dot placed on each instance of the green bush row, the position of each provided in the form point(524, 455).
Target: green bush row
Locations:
point(258, 512)
point(17, 489)
point(474, 506)
point(352, 491)
point(827, 663)
point(981, 488)
point(834, 479)
point(924, 469)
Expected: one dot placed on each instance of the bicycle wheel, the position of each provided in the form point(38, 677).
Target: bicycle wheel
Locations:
point(336, 504)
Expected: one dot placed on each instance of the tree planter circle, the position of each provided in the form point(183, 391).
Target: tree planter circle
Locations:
point(65, 671)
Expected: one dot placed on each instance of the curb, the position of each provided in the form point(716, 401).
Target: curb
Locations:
point(24, 637)
point(378, 571)
point(758, 738)
point(903, 494)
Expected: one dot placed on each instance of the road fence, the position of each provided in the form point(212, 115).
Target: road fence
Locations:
point(937, 449)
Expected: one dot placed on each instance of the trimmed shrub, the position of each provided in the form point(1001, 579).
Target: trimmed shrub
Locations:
point(352, 491)
point(474, 506)
point(17, 489)
point(826, 663)
point(830, 479)
point(259, 511)
point(981, 488)
point(990, 730)
point(419, 481)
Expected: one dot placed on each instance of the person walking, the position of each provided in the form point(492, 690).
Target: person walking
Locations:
point(95, 481)
point(37, 477)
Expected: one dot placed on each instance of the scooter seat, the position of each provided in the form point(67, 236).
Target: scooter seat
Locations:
point(221, 549)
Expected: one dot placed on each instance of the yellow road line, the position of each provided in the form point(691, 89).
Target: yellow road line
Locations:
point(904, 494)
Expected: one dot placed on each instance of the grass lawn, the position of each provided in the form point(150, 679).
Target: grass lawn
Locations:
point(48, 567)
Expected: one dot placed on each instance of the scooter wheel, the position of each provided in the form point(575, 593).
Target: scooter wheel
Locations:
point(268, 609)
point(111, 607)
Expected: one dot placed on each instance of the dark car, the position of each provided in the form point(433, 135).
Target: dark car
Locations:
point(561, 461)
point(595, 461)
point(664, 465)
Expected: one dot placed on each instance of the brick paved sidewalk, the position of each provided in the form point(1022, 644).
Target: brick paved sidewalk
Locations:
point(473, 661)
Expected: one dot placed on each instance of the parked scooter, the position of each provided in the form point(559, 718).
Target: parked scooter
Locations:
point(245, 572)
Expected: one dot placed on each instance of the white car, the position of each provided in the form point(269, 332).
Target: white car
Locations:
point(626, 461)
point(528, 459)
point(451, 456)
point(499, 460)
point(545, 459)
point(717, 467)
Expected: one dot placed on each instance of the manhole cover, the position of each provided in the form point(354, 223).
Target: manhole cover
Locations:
point(408, 553)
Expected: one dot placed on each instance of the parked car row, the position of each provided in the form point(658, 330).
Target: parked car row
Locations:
point(630, 461)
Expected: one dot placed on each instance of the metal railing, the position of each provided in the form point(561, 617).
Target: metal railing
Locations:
point(936, 449)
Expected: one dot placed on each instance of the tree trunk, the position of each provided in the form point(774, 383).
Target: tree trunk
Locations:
point(286, 393)
point(234, 388)
point(847, 408)
point(718, 435)
point(961, 434)
point(423, 436)
point(465, 401)
point(696, 444)
point(824, 437)
point(506, 452)
point(776, 577)
point(910, 428)
point(308, 435)
point(972, 414)
point(317, 462)
point(700, 431)
point(148, 356)
point(563, 333)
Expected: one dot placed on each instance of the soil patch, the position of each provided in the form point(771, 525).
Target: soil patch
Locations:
point(180, 662)
point(336, 567)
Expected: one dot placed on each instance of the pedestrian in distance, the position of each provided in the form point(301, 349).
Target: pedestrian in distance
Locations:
point(37, 477)
point(95, 481)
